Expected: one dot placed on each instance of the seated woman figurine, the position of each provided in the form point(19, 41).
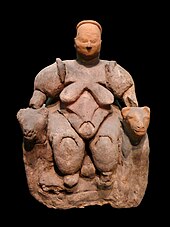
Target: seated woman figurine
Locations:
point(83, 132)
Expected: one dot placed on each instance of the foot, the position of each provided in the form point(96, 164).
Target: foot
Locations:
point(71, 180)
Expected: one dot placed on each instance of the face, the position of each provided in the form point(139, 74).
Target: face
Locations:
point(88, 41)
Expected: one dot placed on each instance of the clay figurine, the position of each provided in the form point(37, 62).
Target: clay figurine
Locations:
point(85, 137)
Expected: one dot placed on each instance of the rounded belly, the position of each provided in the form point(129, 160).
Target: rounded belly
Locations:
point(85, 115)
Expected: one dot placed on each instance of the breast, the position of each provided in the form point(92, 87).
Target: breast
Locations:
point(92, 79)
point(73, 91)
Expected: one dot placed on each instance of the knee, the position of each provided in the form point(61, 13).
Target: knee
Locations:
point(103, 143)
point(68, 155)
point(105, 153)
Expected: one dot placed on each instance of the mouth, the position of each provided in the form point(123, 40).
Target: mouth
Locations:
point(139, 132)
point(88, 48)
point(29, 137)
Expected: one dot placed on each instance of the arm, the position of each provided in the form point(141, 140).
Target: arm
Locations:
point(37, 100)
point(48, 83)
point(120, 82)
point(129, 97)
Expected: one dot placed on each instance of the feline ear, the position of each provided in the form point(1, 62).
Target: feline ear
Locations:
point(125, 111)
point(147, 110)
point(20, 115)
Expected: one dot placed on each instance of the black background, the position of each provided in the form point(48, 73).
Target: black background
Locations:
point(131, 37)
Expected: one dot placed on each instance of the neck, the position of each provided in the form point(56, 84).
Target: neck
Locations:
point(135, 140)
point(87, 61)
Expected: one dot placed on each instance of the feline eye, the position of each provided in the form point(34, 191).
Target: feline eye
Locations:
point(129, 117)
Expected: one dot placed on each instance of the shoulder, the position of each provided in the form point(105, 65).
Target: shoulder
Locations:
point(121, 72)
point(47, 70)
point(70, 63)
point(47, 77)
point(118, 78)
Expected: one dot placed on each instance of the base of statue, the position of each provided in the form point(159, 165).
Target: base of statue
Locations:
point(124, 187)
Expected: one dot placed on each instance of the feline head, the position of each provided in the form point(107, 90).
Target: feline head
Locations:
point(136, 119)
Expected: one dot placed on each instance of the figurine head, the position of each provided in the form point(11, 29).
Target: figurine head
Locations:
point(88, 39)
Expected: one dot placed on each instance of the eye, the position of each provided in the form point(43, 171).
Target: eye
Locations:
point(93, 40)
point(83, 40)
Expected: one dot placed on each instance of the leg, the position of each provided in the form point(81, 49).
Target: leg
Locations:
point(68, 147)
point(105, 146)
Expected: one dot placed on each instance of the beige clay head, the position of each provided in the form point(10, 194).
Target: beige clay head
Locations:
point(88, 39)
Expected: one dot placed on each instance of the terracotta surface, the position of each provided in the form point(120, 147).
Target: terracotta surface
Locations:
point(85, 138)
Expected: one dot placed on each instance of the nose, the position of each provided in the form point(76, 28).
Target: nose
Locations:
point(89, 43)
point(88, 46)
point(140, 125)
